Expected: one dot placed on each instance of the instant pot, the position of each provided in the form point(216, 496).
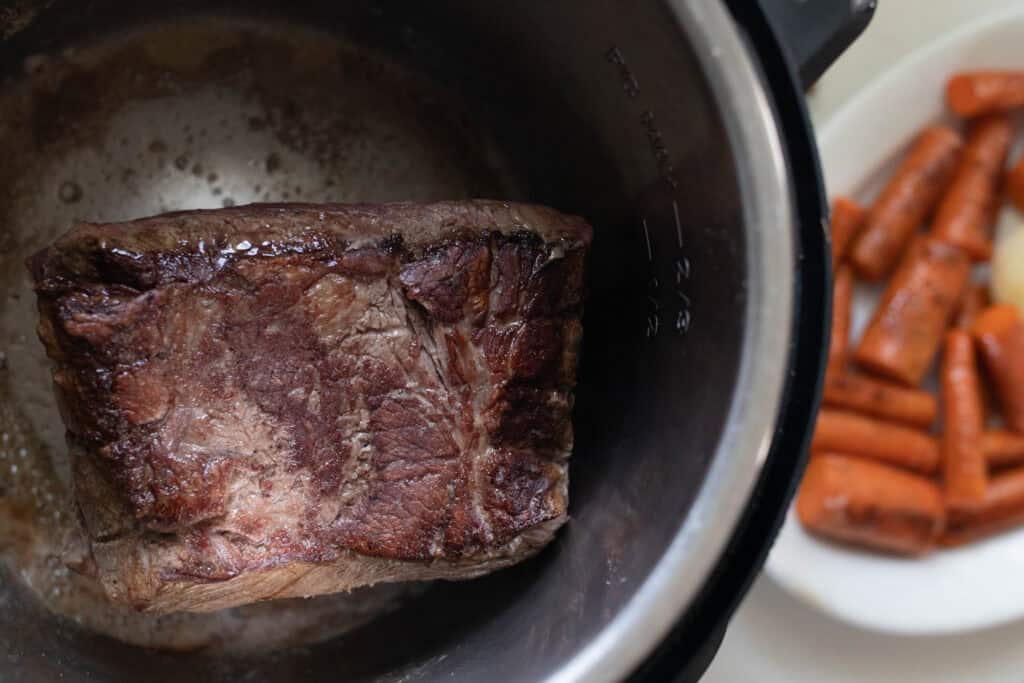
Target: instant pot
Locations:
point(677, 128)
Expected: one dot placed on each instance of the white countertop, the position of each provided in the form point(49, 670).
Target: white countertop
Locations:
point(774, 637)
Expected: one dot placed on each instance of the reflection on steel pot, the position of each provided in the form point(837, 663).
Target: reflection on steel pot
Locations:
point(676, 128)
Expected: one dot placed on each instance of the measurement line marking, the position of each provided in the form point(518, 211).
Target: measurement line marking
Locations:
point(679, 224)
point(647, 240)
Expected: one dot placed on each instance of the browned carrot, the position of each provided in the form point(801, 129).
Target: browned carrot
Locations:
point(965, 214)
point(1000, 199)
point(1015, 184)
point(1002, 447)
point(985, 92)
point(905, 332)
point(870, 504)
point(1002, 509)
point(842, 294)
point(881, 399)
point(847, 219)
point(999, 331)
point(973, 302)
point(842, 432)
point(965, 474)
point(905, 202)
point(965, 218)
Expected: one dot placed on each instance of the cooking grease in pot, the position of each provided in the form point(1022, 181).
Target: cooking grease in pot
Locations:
point(190, 115)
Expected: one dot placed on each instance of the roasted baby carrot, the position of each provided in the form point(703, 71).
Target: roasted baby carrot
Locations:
point(905, 332)
point(999, 332)
point(973, 302)
point(842, 294)
point(975, 93)
point(870, 504)
point(905, 201)
point(847, 218)
point(1002, 509)
point(965, 215)
point(1002, 447)
point(1015, 184)
point(838, 431)
point(882, 399)
point(964, 470)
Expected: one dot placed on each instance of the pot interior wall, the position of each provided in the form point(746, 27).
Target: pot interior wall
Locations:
point(596, 108)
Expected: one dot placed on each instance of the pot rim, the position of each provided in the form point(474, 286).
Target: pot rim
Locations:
point(769, 230)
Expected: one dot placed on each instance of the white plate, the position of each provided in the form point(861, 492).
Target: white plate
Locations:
point(950, 590)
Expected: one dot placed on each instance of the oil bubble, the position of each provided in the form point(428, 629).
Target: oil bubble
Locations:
point(69, 192)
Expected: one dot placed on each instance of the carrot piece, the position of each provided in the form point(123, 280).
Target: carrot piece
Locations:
point(842, 295)
point(1015, 184)
point(847, 219)
point(975, 93)
point(972, 303)
point(905, 332)
point(965, 474)
point(1002, 509)
point(999, 332)
point(904, 203)
point(870, 504)
point(1002, 447)
point(965, 215)
point(888, 401)
point(842, 432)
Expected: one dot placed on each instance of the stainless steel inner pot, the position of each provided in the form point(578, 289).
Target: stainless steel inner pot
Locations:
point(668, 125)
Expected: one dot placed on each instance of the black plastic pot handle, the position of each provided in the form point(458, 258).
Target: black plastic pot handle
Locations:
point(814, 33)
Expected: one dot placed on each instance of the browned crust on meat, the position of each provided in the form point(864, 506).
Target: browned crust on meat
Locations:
point(189, 246)
point(343, 393)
